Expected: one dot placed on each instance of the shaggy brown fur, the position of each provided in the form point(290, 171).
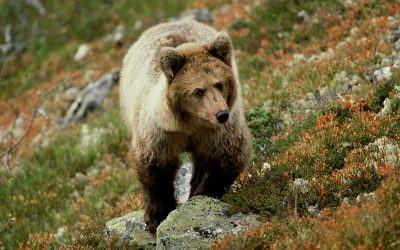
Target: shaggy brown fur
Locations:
point(172, 103)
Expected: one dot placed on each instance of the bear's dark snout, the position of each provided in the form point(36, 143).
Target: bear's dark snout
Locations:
point(222, 116)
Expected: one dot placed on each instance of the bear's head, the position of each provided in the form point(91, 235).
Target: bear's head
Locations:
point(201, 82)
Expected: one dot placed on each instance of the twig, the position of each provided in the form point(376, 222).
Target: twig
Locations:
point(36, 110)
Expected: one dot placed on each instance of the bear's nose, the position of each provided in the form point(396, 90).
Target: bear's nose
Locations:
point(222, 116)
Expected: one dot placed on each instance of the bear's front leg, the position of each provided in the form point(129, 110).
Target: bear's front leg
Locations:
point(213, 177)
point(158, 191)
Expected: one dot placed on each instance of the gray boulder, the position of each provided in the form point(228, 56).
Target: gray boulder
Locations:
point(90, 98)
point(131, 227)
point(193, 225)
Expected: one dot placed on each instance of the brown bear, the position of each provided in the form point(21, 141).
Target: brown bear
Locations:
point(180, 92)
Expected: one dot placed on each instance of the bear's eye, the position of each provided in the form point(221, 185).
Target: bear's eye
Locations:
point(199, 92)
point(219, 86)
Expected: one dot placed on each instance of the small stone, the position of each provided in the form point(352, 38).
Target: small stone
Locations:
point(397, 45)
point(82, 52)
point(18, 127)
point(394, 35)
point(93, 172)
point(265, 167)
point(313, 210)
point(323, 91)
point(299, 57)
point(301, 184)
point(60, 232)
point(387, 107)
point(268, 106)
point(361, 198)
point(346, 145)
point(81, 179)
point(100, 204)
point(354, 31)
point(362, 40)
point(303, 16)
point(119, 34)
point(382, 74)
point(391, 20)
point(355, 80)
point(200, 15)
point(340, 77)
point(385, 62)
point(138, 25)
point(396, 63)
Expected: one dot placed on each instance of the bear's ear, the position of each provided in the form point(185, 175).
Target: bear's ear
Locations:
point(171, 60)
point(221, 47)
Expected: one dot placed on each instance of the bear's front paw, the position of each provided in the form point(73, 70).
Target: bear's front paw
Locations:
point(155, 213)
point(151, 226)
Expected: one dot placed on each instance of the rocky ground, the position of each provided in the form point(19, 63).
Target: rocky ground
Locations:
point(321, 85)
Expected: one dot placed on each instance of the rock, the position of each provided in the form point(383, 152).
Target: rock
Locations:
point(354, 31)
point(182, 182)
point(138, 25)
point(386, 62)
point(60, 232)
point(324, 91)
point(198, 222)
point(91, 97)
point(303, 16)
point(265, 167)
point(308, 104)
point(92, 171)
point(362, 198)
point(385, 146)
point(394, 35)
point(193, 225)
point(200, 15)
point(397, 45)
point(355, 80)
point(313, 210)
point(382, 74)
point(82, 52)
point(302, 185)
point(391, 20)
point(116, 36)
point(387, 107)
point(268, 106)
point(131, 227)
point(119, 34)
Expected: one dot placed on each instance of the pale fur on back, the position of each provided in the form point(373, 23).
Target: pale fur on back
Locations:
point(143, 85)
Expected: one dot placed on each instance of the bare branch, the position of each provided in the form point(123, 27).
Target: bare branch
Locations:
point(5, 156)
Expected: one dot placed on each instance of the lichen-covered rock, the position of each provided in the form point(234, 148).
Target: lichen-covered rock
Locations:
point(195, 224)
point(131, 227)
